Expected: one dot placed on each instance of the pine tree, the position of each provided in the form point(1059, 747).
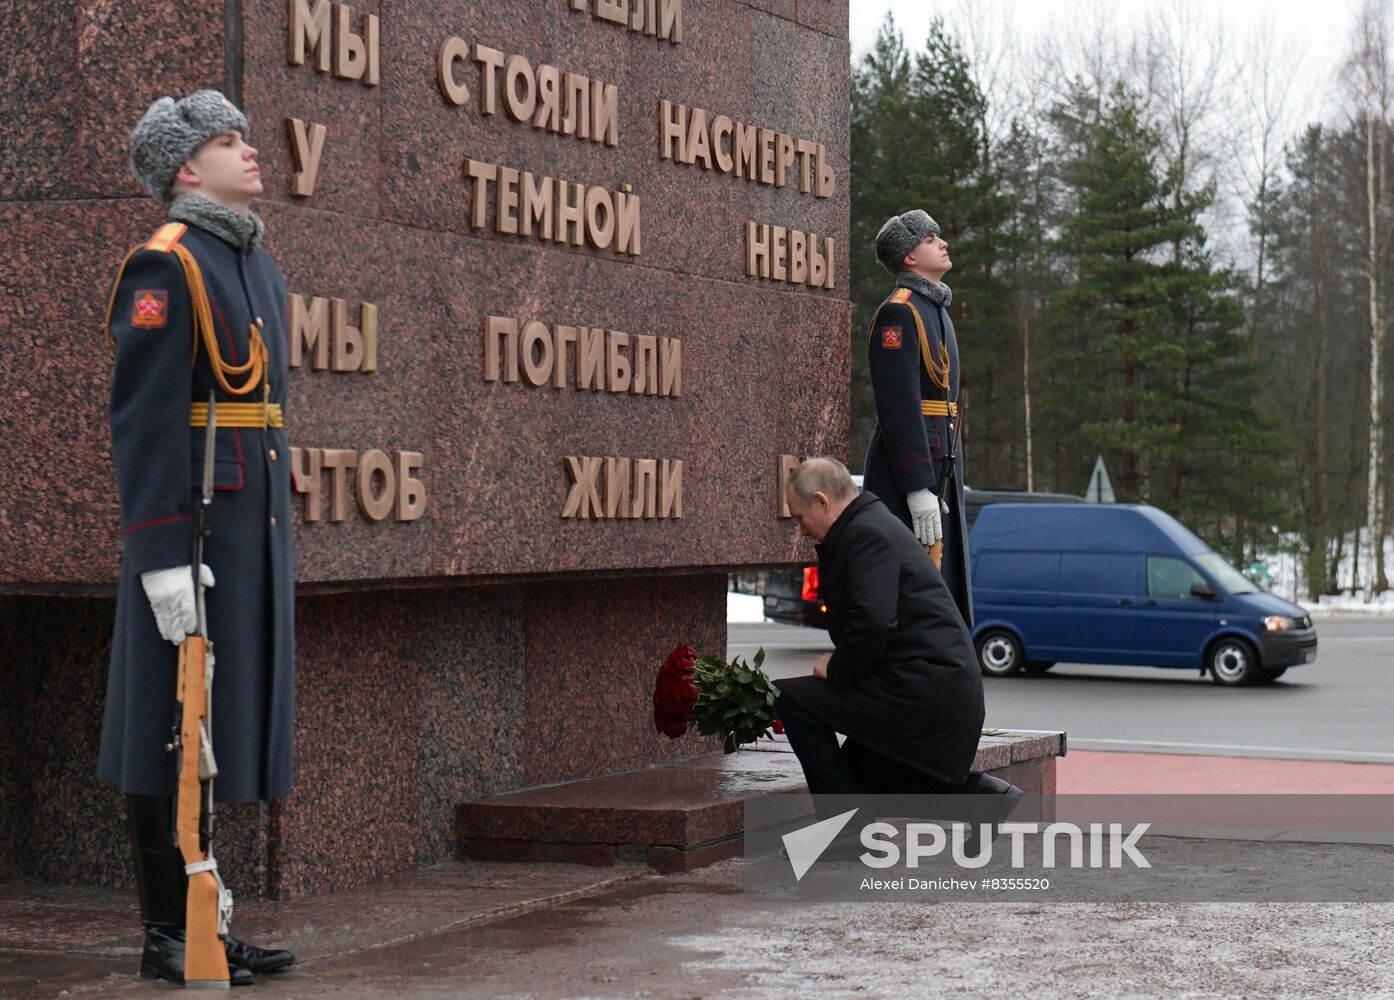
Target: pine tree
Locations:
point(1160, 375)
point(1117, 310)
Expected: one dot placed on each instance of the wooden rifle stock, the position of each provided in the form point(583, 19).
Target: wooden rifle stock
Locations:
point(208, 906)
point(205, 958)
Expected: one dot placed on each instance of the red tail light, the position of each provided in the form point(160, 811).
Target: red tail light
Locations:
point(810, 583)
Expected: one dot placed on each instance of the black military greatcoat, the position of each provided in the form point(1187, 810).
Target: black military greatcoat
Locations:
point(159, 471)
point(903, 679)
point(908, 448)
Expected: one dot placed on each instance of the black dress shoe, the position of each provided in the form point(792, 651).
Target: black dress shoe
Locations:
point(163, 958)
point(989, 813)
point(259, 960)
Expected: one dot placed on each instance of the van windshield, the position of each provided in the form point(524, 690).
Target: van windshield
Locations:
point(1226, 575)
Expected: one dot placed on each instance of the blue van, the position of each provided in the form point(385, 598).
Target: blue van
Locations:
point(1121, 584)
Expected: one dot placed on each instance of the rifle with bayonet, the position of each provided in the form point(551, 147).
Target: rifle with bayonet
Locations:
point(209, 903)
point(947, 471)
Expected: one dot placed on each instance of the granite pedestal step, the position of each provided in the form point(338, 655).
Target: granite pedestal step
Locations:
point(690, 813)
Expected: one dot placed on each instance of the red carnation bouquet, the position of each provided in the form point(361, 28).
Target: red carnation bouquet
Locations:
point(732, 700)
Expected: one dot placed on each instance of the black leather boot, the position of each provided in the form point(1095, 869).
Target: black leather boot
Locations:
point(162, 889)
point(163, 958)
point(259, 960)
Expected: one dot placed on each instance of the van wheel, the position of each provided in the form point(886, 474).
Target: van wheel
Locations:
point(999, 653)
point(1037, 666)
point(1233, 662)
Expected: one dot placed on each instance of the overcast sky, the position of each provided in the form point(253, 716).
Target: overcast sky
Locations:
point(1318, 30)
point(1311, 38)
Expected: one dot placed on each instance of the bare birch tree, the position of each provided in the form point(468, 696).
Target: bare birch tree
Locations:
point(1187, 44)
point(1265, 85)
point(1368, 72)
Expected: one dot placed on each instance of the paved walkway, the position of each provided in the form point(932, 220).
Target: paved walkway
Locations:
point(1090, 771)
point(695, 935)
point(543, 931)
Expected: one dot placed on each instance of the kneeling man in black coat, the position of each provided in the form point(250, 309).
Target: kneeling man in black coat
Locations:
point(903, 683)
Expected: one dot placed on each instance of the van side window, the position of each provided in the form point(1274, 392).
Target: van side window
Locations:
point(1098, 573)
point(1035, 571)
point(1171, 578)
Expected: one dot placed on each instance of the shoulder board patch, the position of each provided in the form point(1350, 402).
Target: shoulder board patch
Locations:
point(151, 308)
point(167, 236)
point(901, 296)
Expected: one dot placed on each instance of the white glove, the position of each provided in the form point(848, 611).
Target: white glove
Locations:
point(171, 595)
point(925, 515)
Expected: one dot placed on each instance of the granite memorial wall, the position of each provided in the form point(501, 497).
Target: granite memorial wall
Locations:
point(568, 287)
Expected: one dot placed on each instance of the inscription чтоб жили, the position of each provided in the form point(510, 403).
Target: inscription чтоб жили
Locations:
point(600, 360)
point(383, 485)
point(645, 488)
point(546, 97)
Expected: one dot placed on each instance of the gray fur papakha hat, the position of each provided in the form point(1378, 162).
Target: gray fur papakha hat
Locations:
point(171, 131)
point(900, 235)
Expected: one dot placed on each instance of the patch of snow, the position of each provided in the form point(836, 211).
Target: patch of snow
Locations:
point(1282, 566)
point(744, 608)
point(1336, 605)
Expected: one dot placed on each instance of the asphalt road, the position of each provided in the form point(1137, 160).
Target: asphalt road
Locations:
point(1339, 708)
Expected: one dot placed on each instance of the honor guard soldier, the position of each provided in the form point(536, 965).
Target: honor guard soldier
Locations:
point(199, 308)
point(913, 463)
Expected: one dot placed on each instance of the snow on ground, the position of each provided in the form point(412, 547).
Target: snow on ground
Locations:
point(1283, 569)
point(744, 608)
point(1350, 605)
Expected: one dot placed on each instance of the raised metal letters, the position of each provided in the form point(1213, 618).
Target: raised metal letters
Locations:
point(790, 255)
point(660, 19)
point(550, 208)
point(307, 149)
point(383, 485)
point(355, 51)
point(695, 137)
point(586, 358)
point(633, 489)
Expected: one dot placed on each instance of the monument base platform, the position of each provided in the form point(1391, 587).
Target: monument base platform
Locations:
point(687, 814)
point(408, 702)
